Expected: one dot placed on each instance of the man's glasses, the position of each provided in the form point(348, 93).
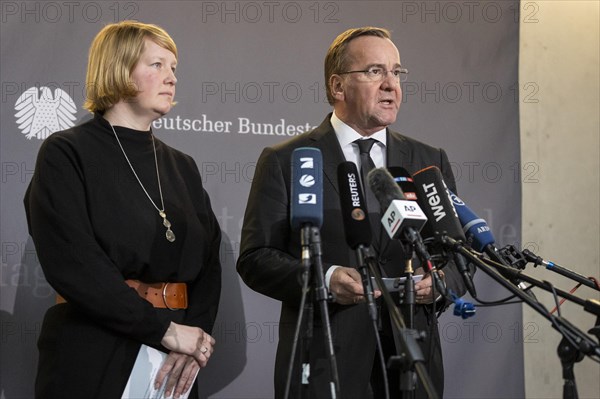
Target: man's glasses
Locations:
point(377, 74)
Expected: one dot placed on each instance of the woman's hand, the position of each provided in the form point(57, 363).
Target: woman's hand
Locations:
point(181, 371)
point(192, 341)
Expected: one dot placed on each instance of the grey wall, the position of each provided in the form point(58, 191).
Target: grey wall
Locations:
point(261, 62)
point(561, 212)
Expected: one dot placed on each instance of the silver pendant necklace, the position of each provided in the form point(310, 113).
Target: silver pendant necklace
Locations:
point(161, 211)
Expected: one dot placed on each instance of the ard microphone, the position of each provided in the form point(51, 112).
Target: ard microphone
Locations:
point(434, 197)
point(477, 230)
point(481, 237)
point(354, 210)
point(405, 181)
point(473, 226)
point(306, 205)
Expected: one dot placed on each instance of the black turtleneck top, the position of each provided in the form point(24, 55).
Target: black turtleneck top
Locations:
point(94, 227)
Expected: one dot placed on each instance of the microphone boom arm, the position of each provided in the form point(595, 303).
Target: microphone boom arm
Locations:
point(584, 343)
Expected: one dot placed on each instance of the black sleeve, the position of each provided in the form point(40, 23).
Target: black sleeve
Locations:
point(265, 262)
point(205, 291)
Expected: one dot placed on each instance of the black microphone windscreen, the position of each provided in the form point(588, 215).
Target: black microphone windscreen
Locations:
point(405, 181)
point(383, 187)
point(354, 210)
point(434, 198)
point(306, 203)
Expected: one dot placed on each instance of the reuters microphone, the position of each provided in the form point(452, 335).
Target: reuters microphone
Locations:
point(356, 226)
point(354, 210)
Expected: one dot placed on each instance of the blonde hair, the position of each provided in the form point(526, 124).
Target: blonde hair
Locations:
point(114, 53)
point(336, 60)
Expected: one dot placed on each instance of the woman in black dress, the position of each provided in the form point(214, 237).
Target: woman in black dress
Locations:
point(124, 230)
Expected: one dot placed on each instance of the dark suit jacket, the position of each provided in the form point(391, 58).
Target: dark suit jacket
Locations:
point(270, 252)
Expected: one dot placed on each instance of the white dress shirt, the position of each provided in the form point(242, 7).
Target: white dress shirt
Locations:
point(346, 137)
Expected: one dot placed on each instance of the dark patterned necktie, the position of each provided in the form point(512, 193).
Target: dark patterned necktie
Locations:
point(366, 165)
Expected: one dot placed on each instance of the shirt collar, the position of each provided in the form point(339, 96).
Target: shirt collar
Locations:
point(346, 135)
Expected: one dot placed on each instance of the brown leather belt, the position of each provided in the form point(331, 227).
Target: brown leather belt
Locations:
point(171, 296)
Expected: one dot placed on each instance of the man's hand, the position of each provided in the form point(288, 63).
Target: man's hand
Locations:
point(423, 291)
point(346, 285)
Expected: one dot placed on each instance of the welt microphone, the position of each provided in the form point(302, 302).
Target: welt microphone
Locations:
point(402, 218)
point(434, 197)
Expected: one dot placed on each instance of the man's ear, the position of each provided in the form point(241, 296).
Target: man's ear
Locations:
point(336, 84)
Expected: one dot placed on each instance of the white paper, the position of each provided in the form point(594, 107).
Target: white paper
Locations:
point(141, 381)
point(395, 284)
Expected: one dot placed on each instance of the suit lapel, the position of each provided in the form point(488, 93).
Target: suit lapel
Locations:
point(397, 153)
point(325, 140)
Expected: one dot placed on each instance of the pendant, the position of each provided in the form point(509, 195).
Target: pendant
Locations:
point(169, 233)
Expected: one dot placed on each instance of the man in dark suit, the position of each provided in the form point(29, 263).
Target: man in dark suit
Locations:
point(363, 75)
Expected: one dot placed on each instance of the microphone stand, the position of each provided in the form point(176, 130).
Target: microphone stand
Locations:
point(322, 296)
point(407, 301)
point(311, 256)
point(574, 345)
point(362, 257)
point(536, 260)
point(589, 305)
point(306, 308)
point(414, 238)
point(408, 296)
point(415, 244)
point(409, 355)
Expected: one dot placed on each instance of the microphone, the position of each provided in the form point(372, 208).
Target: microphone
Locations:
point(356, 225)
point(405, 181)
point(481, 237)
point(479, 233)
point(538, 260)
point(476, 229)
point(402, 218)
point(306, 214)
point(306, 205)
point(432, 195)
point(354, 210)
point(442, 218)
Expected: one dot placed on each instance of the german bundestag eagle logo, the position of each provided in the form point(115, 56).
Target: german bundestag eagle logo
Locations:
point(41, 113)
